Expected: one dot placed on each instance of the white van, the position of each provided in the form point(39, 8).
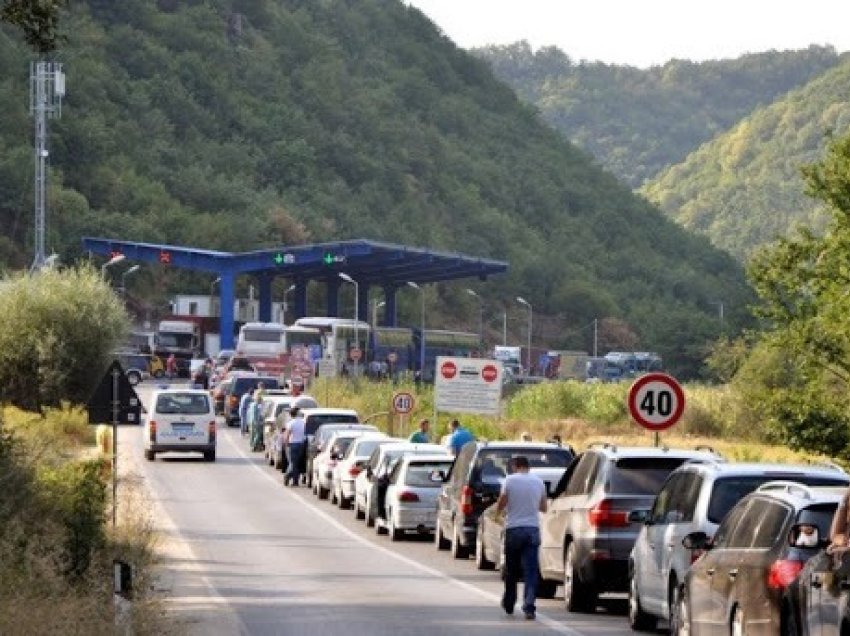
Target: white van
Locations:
point(180, 420)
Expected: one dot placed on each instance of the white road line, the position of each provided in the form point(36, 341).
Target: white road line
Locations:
point(549, 622)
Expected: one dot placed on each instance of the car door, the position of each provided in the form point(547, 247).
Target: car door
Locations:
point(674, 559)
point(649, 547)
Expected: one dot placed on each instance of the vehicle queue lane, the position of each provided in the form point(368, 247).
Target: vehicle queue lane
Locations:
point(272, 560)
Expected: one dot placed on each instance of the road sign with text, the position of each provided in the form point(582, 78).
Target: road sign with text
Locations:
point(468, 385)
point(656, 401)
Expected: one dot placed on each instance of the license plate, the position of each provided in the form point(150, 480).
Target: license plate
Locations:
point(182, 427)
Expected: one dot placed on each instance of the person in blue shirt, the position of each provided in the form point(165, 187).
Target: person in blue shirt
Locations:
point(459, 437)
point(421, 435)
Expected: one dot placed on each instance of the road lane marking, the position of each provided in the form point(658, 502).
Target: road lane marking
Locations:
point(543, 619)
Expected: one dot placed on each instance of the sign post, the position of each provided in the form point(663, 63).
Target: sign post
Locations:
point(656, 402)
point(403, 404)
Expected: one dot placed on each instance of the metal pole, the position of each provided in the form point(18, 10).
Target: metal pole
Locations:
point(422, 353)
point(115, 407)
point(595, 337)
point(357, 326)
point(505, 328)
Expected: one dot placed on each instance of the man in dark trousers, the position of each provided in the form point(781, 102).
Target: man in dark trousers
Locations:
point(523, 497)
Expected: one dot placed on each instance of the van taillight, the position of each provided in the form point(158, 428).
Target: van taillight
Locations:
point(152, 427)
point(601, 515)
point(782, 573)
point(466, 501)
point(211, 429)
point(355, 470)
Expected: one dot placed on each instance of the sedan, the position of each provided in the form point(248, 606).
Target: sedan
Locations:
point(411, 500)
point(352, 464)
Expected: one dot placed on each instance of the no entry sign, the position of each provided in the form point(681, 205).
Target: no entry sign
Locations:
point(656, 401)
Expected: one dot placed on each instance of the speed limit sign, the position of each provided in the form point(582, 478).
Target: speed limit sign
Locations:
point(656, 401)
point(403, 402)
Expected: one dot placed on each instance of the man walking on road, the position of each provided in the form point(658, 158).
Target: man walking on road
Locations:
point(523, 496)
point(294, 438)
point(421, 436)
point(459, 437)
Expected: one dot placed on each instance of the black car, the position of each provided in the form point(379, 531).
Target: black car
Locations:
point(474, 483)
point(240, 386)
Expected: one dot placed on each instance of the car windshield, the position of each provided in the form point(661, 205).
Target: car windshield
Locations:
point(728, 491)
point(314, 421)
point(642, 475)
point(365, 447)
point(241, 385)
point(182, 404)
point(419, 474)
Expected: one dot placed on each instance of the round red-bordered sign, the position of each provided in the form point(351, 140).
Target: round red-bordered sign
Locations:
point(403, 402)
point(656, 401)
point(448, 369)
point(489, 373)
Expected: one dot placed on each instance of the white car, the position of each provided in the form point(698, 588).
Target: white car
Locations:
point(372, 480)
point(414, 485)
point(180, 420)
point(325, 461)
point(275, 415)
point(352, 463)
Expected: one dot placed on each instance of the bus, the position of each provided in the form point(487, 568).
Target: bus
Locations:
point(339, 336)
point(392, 347)
point(440, 342)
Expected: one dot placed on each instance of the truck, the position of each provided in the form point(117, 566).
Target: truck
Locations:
point(510, 357)
point(181, 337)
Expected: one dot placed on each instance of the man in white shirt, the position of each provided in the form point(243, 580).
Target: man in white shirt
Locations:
point(523, 497)
point(294, 441)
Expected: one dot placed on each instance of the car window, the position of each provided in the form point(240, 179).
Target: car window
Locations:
point(641, 475)
point(460, 469)
point(341, 445)
point(419, 474)
point(761, 526)
point(663, 502)
point(374, 458)
point(685, 503)
point(819, 515)
point(315, 420)
point(729, 523)
point(578, 482)
point(182, 404)
point(365, 447)
point(561, 487)
point(395, 472)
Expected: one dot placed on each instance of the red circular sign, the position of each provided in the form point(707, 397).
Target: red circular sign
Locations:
point(403, 402)
point(489, 373)
point(355, 353)
point(448, 369)
point(656, 401)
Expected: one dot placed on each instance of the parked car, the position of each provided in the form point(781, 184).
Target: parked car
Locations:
point(695, 498)
point(313, 419)
point(370, 485)
point(738, 585)
point(411, 499)
point(219, 393)
point(242, 383)
point(326, 459)
point(275, 415)
point(818, 600)
point(352, 463)
point(586, 536)
point(475, 481)
point(180, 420)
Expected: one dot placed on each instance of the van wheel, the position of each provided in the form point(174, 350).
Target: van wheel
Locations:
point(684, 622)
point(150, 455)
point(458, 551)
point(396, 534)
point(358, 513)
point(674, 609)
point(579, 596)
point(639, 620)
point(209, 456)
point(439, 540)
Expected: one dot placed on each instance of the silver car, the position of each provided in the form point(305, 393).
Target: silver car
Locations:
point(414, 485)
point(351, 465)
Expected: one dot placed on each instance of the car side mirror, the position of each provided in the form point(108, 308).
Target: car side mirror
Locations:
point(806, 535)
point(696, 541)
point(640, 516)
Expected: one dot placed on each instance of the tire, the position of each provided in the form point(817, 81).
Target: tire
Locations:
point(321, 492)
point(481, 560)
point(370, 520)
point(209, 456)
point(639, 620)
point(439, 540)
point(150, 455)
point(577, 598)
point(358, 513)
point(458, 551)
point(344, 502)
point(674, 609)
point(736, 628)
point(546, 588)
point(396, 534)
point(334, 500)
point(684, 625)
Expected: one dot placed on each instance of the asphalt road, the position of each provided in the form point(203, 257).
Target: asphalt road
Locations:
point(242, 554)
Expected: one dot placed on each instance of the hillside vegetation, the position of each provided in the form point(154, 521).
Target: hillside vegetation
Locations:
point(744, 188)
point(237, 124)
point(636, 122)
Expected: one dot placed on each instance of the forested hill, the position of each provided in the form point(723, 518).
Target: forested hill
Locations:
point(236, 124)
point(637, 122)
point(744, 188)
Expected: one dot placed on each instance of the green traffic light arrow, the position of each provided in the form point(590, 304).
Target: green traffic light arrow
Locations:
point(328, 259)
point(278, 258)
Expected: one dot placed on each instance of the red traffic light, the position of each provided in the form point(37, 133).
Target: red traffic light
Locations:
point(164, 257)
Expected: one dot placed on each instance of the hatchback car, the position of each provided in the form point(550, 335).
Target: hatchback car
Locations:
point(586, 536)
point(696, 497)
point(737, 586)
point(241, 385)
point(411, 500)
point(313, 419)
point(475, 481)
point(180, 420)
point(326, 460)
point(275, 415)
point(352, 463)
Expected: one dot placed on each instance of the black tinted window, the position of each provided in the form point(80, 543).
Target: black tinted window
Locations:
point(761, 526)
point(419, 475)
point(341, 445)
point(641, 475)
point(819, 515)
point(241, 385)
point(316, 420)
point(662, 507)
point(579, 479)
point(729, 523)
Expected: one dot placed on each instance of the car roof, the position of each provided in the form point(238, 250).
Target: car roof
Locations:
point(799, 495)
point(411, 446)
point(323, 410)
point(782, 471)
point(181, 391)
point(520, 444)
point(412, 459)
point(615, 451)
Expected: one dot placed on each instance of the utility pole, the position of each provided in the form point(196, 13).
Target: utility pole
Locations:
point(595, 336)
point(47, 88)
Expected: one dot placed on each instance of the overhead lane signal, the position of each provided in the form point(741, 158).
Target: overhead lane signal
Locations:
point(330, 258)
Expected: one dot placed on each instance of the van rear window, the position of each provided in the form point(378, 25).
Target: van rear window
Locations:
point(182, 404)
point(641, 475)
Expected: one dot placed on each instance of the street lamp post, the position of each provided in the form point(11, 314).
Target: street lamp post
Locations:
point(348, 279)
point(212, 292)
point(132, 270)
point(376, 304)
point(523, 301)
point(112, 261)
point(422, 327)
point(474, 294)
point(286, 293)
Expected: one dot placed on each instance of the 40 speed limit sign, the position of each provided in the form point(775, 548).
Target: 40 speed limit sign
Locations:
point(656, 401)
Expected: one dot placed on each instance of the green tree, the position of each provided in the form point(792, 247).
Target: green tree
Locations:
point(38, 19)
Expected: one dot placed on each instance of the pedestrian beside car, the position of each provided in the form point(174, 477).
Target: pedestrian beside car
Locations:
point(171, 366)
point(523, 496)
point(459, 437)
point(257, 420)
point(294, 440)
point(839, 532)
point(422, 435)
point(244, 404)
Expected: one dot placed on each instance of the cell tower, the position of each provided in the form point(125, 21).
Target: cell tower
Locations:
point(47, 88)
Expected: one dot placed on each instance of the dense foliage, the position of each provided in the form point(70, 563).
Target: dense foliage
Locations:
point(803, 283)
point(57, 330)
point(743, 189)
point(236, 124)
point(638, 121)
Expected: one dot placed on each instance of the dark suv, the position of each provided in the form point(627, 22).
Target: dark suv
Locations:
point(587, 534)
point(475, 481)
point(739, 585)
point(241, 385)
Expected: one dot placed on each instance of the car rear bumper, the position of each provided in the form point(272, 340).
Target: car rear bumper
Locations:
point(347, 488)
point(607, 575)
point(416, 519)
point(181, 448)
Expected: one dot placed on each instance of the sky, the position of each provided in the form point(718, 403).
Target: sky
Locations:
point(644, 33)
